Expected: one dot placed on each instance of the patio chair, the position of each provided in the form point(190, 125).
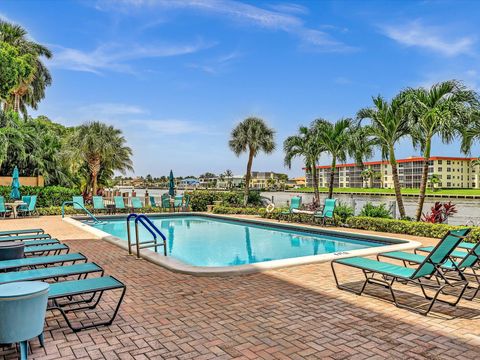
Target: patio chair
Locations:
point(186, 203)
point(177, 202)
point(152, 201)
point(41, 261)
point(295, 204)
point(166, 201)
point(470, 260)
point(31, 206)
point(3, 210)
point(24, 237)
point(98, 204)
point(136, 203)
point(78, 202)
point(119, 203)
point(327, 212)
point(95, 287)
point(56, 249)
point(390, 273)
point(22, 232)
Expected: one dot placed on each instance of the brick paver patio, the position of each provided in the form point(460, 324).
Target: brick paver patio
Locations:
point(291, 313)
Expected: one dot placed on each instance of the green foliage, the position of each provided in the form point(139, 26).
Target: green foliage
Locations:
point(199, 199)
point(236, 210)
point(69, 210)
point(254, 198)
point(15, 67)
point(407, 227)
point(343, 212)
point(47, 196)
point(379, 211)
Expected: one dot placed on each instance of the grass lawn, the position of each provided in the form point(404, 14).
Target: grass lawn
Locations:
point(391, 191)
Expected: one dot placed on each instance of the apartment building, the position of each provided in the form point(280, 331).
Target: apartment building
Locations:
point(264, 180)
point(453, 172)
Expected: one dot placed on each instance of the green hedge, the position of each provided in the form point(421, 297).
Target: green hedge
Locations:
point(47, 196)
point(199, 199)
point(237, 210)
point(57, 210)
point(407, 227)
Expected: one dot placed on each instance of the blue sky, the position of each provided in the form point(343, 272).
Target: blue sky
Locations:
point(177, 76)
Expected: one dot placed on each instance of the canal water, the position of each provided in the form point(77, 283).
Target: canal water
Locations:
point(468, 209)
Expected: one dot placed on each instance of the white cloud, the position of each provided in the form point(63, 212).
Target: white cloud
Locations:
point(109, 110)
point(284, 18)
point(417, 34)
point(217, 65)
point(168, 126)
point(114, 57)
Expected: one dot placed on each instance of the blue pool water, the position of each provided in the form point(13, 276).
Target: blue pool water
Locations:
point(205, 241)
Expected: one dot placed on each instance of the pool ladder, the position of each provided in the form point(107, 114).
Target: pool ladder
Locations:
point(151, 228)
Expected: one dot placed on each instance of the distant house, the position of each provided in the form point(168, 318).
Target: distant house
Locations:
point(297, 182)
point(228, 182)
point(189, 182)
point(265, 180)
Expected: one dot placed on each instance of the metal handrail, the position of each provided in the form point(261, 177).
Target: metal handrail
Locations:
point(81, 206)
point(151, 228)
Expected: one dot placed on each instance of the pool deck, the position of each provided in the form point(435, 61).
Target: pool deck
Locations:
point(291, 313)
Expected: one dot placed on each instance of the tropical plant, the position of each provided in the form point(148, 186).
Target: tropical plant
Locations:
point(440, 110)
point(343, 212)
point(434, 180)
point(101, 150)
point(379, 211)
point(439, 213)
point(31, 85)
point(335, 140)
point(361, 145)
point(305, 145)
point(252, 135)
point(389, 124)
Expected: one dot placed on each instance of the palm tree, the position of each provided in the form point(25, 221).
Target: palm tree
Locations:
point(304, 145)
point(434, 179)
point(252, 135)
point(361, 145)
point(30, 88)
point(335, 140)
point(389, 124)
point(228, 175)
point(102, 149)
point(367, 176)
point(440, 110)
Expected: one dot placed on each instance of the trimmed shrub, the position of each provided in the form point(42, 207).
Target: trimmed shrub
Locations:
point(407, 227)
point(199, 199)
point(376, 211)
point(236, 210)
point(47, 196)
point(69, 210)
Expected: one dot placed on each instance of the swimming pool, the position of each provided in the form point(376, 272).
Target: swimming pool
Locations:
point(216, 242)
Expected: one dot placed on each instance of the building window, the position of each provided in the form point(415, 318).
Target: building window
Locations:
point(449, 177)
point(440, 168)
point(439, 162)
point(449, 162)
point(449, 169)
point(449, 184)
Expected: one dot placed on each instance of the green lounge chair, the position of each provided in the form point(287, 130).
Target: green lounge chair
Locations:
point(136, 203)
point(46, 249)
point(470, 260)
point(34, 261)
point(65, 290)
point(166, 201)
point(21, 232)
point(31, 207)
point(98, 204)
point(119, 203)
point(295, 204)
point(24, 237)
point(152, 201)
point(428, 268)
point(53, 272)
point(41, 242)
point(177, 202)
point(328, 211)
point(3, 210)
point(78, 203)
point(186, 204)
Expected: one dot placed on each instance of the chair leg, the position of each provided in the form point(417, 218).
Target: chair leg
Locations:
point(41, 339)
point(23, 350)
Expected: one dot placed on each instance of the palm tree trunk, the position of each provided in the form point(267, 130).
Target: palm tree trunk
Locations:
point(94, 183)
point(396, 183)
point(423, 183)
point(16, 102)
point(316, 196)
point(332, 177)
point(247, 177)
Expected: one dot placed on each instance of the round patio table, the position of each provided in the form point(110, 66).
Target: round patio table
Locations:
point(14, 205)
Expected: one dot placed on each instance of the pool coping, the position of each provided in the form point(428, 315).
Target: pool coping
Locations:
point(181, 267)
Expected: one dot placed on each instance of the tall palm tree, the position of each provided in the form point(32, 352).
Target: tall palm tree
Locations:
point(31, 88)
point(305, 145)
point(361, 145)
point(440, 110)
point(102, 148)
point(389, 123)
point(228, 175)
point(252, 135)
point(334, 139)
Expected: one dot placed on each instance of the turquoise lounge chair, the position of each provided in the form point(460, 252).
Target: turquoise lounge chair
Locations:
point(136, 203)
point(31, 207)
point(21, 232)
point(34, 261)
point(78, 203)
point(178, 202)
point(24, 237)
point(98, 204)
point(119, 203)
point(152, 201)
point(431, 266)
point(328, 211)
point(186, 204)
point(166, 201)
point(463, 262)
point(295, 204)
point(56, 249)
point(3, 210)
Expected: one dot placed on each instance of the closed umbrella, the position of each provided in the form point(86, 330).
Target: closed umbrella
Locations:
point(171, 184)
point(15, 194)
